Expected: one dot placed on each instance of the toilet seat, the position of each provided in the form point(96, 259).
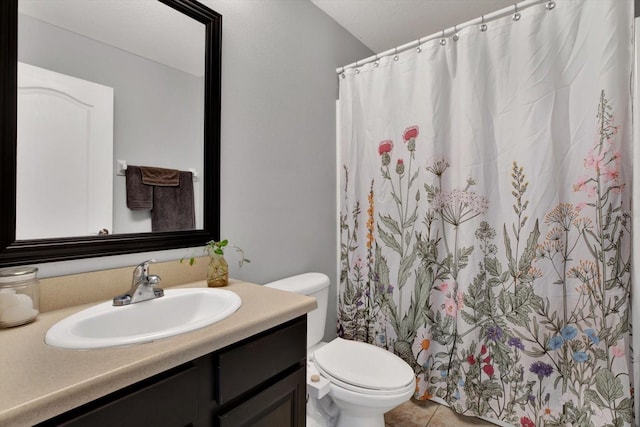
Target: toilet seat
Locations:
point(363, 368)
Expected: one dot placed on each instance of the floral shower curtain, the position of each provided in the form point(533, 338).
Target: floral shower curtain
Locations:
point(485, 214)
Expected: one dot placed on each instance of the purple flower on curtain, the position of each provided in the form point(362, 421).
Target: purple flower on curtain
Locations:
point(568, 332)
point(494, 333)
point(516, 343)
point(541, 369)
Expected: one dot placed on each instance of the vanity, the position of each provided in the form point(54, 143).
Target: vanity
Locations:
point(248, 369)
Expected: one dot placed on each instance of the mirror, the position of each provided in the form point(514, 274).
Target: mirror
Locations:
point(185, 135)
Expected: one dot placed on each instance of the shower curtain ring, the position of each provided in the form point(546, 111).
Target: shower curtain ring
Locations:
point(483, 26)
point(419, 48)
point(516, 15)
point(376, 63)
point(443, 41)
point(456, 36)
point(395, 54)
point(550, 5)
point(357, 70)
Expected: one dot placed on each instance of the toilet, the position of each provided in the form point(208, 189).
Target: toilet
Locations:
point(353, 383)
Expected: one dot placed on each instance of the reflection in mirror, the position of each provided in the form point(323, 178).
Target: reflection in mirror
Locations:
point(99, 82)
point(87, 87)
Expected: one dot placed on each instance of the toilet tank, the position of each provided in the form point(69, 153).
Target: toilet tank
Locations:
point(315, 285)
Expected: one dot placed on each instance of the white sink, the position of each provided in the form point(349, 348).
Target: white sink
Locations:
point(178, 311)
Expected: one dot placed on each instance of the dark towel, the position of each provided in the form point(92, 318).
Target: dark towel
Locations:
point(173, 207)
point(160, 176)
point(139, 196)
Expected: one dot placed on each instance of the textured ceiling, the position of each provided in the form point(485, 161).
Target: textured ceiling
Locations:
point(385, 24)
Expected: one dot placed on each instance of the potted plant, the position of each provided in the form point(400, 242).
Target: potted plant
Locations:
point(218, 269)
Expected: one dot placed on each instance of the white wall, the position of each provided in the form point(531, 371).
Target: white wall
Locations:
point(278, 141)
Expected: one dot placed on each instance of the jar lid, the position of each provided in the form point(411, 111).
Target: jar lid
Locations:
point(17, 274)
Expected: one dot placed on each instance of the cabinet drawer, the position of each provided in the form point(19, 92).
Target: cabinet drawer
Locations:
point(249, 364)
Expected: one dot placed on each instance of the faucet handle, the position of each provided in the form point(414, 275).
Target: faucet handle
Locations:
point(142, 270)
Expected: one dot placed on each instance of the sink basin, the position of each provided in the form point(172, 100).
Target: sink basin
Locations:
point(178, 311)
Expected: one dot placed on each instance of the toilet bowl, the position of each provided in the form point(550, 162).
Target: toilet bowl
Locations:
point(359, 381)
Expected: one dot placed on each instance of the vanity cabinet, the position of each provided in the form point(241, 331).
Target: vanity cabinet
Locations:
point(260, 381)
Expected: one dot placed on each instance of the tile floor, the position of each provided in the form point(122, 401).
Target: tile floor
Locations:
point(416, 413)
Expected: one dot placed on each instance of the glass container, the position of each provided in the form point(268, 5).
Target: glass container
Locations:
point(19, 296)
point(218, 271)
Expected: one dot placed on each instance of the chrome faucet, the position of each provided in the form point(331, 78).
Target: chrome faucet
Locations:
point(143, 286)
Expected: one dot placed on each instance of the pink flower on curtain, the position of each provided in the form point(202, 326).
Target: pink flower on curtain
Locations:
point(617, 351)
point(410, 132)
point(460, 299)
point(400, 167)
point(450, 307)
point(594, 160)
point(385, 146)
point(581, 184)
point(526, 422)
point(611, 173)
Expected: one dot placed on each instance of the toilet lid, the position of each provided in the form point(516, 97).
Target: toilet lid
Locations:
point(363, 365)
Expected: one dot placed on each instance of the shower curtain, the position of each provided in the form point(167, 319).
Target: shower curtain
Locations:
point(485, 214)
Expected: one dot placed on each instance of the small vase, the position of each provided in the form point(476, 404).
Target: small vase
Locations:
point(218, 271)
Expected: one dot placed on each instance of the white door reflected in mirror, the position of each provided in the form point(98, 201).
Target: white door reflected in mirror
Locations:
point(65, 128)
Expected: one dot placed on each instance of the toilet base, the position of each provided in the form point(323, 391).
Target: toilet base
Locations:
point(347, 420)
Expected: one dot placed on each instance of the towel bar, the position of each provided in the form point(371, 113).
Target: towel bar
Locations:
point(121, 167)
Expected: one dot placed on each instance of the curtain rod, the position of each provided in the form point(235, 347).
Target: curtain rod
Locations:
point(516, 8)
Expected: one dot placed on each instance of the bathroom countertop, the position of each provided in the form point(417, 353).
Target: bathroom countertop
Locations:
point(38, 382)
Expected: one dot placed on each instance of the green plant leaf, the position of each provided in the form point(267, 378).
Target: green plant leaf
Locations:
point(390, 223)
point(609, 387)
point(625, 409)
point(389, 239)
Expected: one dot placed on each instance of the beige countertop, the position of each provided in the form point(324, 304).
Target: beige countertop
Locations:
point(38, 382)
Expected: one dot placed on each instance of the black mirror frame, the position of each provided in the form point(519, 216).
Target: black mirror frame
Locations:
point(20, 252)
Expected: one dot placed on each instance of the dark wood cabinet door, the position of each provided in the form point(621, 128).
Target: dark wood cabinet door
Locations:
point(168, 402)
point(281, 405)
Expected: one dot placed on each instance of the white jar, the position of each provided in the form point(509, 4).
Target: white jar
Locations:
point(19, 296)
